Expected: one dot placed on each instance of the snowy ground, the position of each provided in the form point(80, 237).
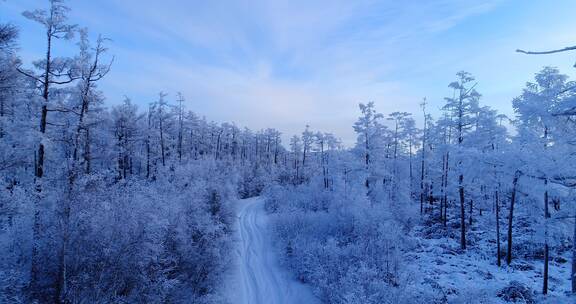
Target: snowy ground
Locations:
point(259, 277)
point(473, 277)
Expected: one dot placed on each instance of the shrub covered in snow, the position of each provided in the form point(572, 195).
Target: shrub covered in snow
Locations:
point(344, 247)
point(516, 292)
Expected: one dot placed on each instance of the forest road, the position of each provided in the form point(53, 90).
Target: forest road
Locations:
point(262, 280)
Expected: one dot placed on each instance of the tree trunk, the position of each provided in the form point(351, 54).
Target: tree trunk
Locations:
point(546, 200)
point(445, 221)
point(41, 156)
point(35, 268)
point(410, 167)
point(162, 137)
point(180, 126)
point(148, 137)
point(422, 181)
point(470, 215)
point(442, 189)
point(446, 170)
point(1, 117)
point(87, 153)
point(44, 113)
point(324, 173)
point(217, 153)
point(511, 217)
point(573, 272)
point(545, 278)
point(367, 160)
point(422, 170)
point(39, 173)
point(546, 248)
point(62, 259)
point(497, 198)
point(462, 213)
point(148, 158)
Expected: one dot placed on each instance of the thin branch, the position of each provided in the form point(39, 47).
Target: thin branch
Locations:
point(29, 75)
point(56, 125)
point(568, 112)
point(570, 48)
point(563, 217)
point(63, 111)
point(65, 81)
point(470, 89)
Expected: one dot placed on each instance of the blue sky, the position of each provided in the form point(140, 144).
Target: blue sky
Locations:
point(288, 63)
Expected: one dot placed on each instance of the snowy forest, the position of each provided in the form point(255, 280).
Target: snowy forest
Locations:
point(124, 203)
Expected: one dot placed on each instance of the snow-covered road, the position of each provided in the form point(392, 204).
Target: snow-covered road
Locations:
point(262, 280)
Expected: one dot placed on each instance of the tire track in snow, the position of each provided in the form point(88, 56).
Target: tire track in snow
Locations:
point(262, 280)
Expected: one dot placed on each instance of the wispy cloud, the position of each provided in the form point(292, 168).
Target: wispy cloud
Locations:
point(288, 63)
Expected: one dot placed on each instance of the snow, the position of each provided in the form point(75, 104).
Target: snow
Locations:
point(473, 274)
point(260, 278)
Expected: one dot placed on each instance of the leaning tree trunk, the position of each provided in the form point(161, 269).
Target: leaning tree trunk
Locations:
point(511, 217)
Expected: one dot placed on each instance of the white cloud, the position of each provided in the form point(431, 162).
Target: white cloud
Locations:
point(288, 63)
